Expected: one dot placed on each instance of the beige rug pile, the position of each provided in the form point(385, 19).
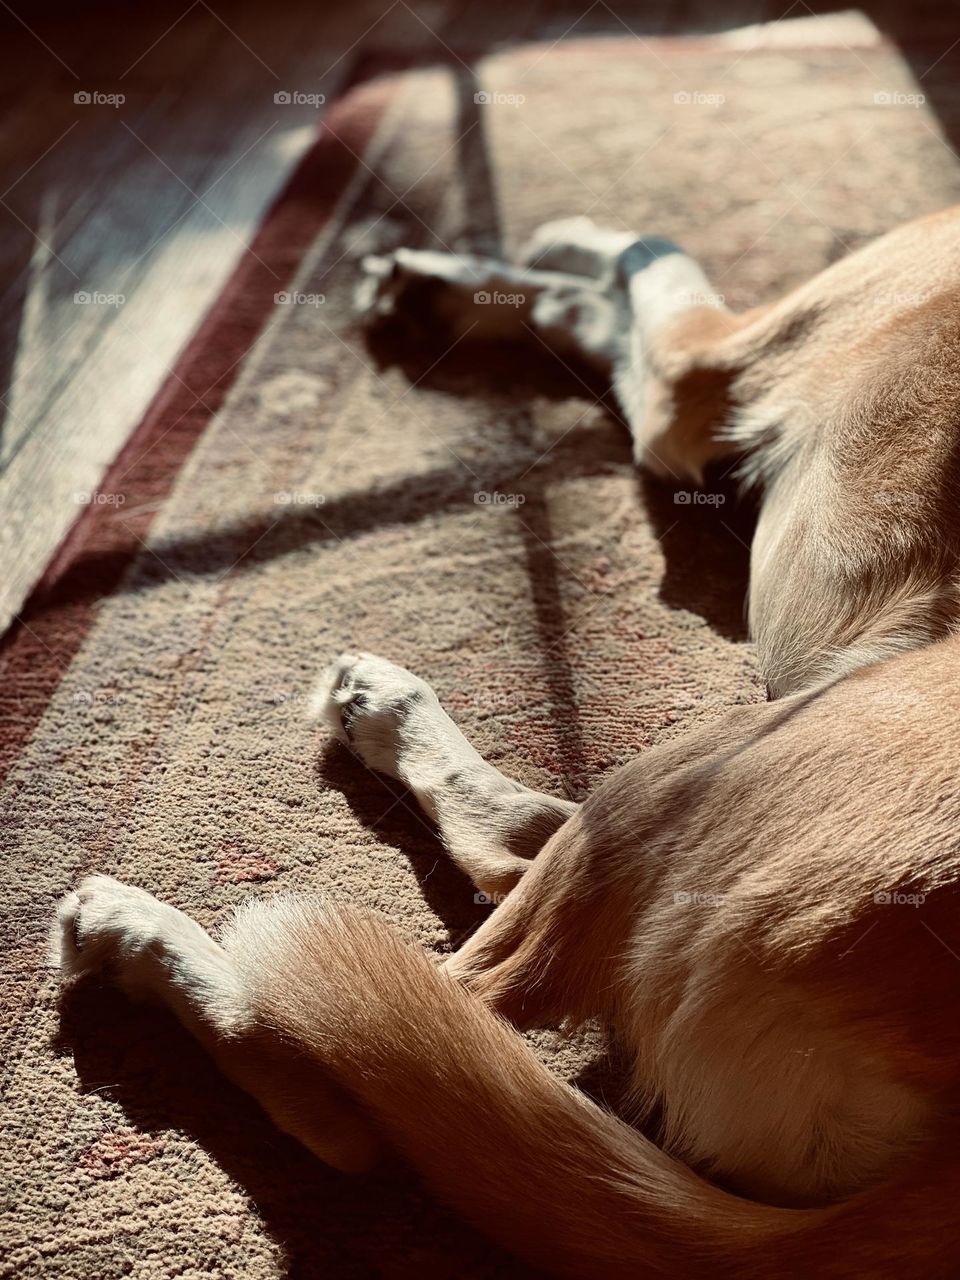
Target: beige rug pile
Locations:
point(313, 501)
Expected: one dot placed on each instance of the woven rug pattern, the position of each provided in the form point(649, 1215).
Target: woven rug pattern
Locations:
point(311, 500)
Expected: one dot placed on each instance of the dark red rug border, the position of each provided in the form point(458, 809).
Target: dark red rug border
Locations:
point(105, 539)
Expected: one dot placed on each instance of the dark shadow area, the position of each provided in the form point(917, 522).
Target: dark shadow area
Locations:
point(425, 353)
point(706, 547)
point(483, 228)
point(480, 197)
point(141, 1058)
point(282, 530)
point(389, 809)
point(606, 1080)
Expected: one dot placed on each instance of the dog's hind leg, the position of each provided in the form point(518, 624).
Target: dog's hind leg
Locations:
point(549, 950)
point(155, 952)
point(491, 825)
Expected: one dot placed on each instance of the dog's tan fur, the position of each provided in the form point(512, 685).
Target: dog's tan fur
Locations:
point(765, 912)
point(844, 395)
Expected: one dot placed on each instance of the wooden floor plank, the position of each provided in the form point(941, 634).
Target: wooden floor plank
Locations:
point(112, 215)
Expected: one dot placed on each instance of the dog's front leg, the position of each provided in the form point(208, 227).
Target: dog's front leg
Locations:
point(452, 297)
point(637, 311)
point(491, 825)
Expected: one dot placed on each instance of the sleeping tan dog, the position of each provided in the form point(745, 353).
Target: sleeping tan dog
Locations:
point(765, 912)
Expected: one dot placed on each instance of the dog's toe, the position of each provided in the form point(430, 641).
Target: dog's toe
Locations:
point(374, 706)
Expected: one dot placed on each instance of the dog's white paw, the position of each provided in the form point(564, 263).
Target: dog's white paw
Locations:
point(382, 711)
point(416, 279)
point(106, 926)
point(576, 246)
point(379, 286)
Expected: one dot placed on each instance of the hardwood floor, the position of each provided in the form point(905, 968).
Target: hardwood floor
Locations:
point(122, 222)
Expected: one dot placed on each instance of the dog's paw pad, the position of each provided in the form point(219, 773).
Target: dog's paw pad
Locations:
point(103, 922)
point(370, 704)
point(379, 286)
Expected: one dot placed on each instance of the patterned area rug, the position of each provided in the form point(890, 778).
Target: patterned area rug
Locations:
point(288, 497)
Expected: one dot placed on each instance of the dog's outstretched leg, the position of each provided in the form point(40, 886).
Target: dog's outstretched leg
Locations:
point(638, 310)
point(668, 371)
point(153, 951)
point(484, 300)
point(394, 722)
